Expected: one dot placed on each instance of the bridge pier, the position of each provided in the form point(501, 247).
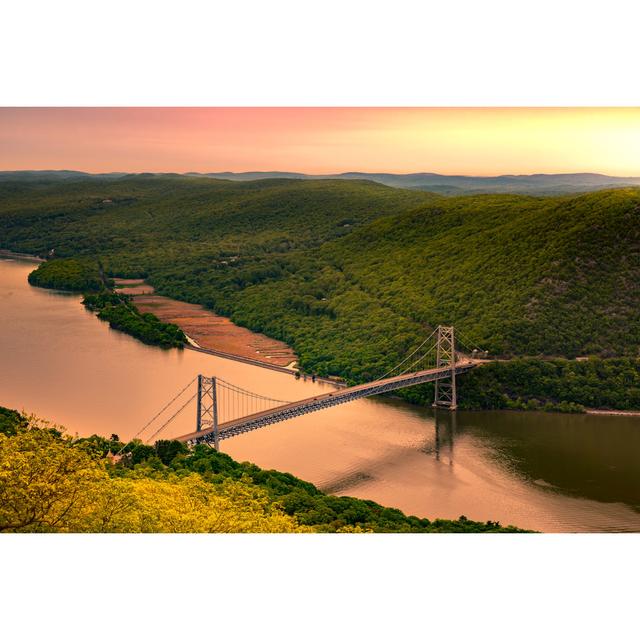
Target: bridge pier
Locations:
point(445, 393)
point(207, 417)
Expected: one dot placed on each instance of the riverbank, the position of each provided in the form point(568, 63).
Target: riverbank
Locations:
point(599, 385)
point(606, 412)
point(209, 331)
point(5, 253)
point(86, 276)
point(255, 500)
point(264, 365)
point(203, 330)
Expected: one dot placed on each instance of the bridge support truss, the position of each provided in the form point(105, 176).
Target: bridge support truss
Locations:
point(445, 394)
point(207, 417)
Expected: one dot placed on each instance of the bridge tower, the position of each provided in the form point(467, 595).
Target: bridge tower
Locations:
point(445, 395)
point(208, 407)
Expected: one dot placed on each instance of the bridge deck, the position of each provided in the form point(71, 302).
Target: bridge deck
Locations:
point(301, 407)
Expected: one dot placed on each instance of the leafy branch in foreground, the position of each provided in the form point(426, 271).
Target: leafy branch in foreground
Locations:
point(51, 483)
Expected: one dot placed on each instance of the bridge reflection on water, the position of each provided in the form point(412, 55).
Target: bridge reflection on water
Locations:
point(544, 471)
point(445, 434)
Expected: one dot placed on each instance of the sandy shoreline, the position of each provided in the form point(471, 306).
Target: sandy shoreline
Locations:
point(209, 331)
point(613, 412)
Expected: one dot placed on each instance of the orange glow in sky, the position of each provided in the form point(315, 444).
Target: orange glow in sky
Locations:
point(472, 141)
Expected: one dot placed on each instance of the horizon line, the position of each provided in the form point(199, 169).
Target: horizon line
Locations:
point(321, 175)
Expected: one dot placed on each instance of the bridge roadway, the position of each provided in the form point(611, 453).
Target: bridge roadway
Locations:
point(300, 407)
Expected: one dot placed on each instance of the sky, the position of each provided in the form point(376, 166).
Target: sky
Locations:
point(469, 141)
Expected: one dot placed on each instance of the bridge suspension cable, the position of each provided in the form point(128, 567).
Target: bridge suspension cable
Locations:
point(234, 402)
point(420, 360)
point(469, 345)
point(384, 375)
point(233, 387)
point(175, 415)
point(157, 415)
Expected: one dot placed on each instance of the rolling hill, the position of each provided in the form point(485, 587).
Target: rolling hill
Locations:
point(351, 273)
point(535, 184)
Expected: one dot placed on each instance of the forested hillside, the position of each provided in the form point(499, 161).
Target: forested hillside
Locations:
point(69, 274)
point(351, 273)
point(519, 275)
point(140, 223)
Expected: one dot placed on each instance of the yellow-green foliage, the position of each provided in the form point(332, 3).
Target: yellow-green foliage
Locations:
point(188, 505)
point(48, 484)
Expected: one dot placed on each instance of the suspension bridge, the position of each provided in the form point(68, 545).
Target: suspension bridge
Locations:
point(225, 410)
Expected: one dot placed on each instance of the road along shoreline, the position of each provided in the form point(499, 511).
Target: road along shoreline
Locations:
point(260, 363)
point(6, 253)
point(613, 412)
point(209, 333)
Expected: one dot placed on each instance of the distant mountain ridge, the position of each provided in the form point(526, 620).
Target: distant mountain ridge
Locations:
point(539, 183)
point(532, 184)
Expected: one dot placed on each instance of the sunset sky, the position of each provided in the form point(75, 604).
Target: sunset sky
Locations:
point(477, 141)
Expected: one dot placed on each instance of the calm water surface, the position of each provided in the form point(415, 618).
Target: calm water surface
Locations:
point(548, 472)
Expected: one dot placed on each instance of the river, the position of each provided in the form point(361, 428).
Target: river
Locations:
point(548, 472)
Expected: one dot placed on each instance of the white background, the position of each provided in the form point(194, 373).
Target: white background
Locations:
point(329, 52)
point(484, 53)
